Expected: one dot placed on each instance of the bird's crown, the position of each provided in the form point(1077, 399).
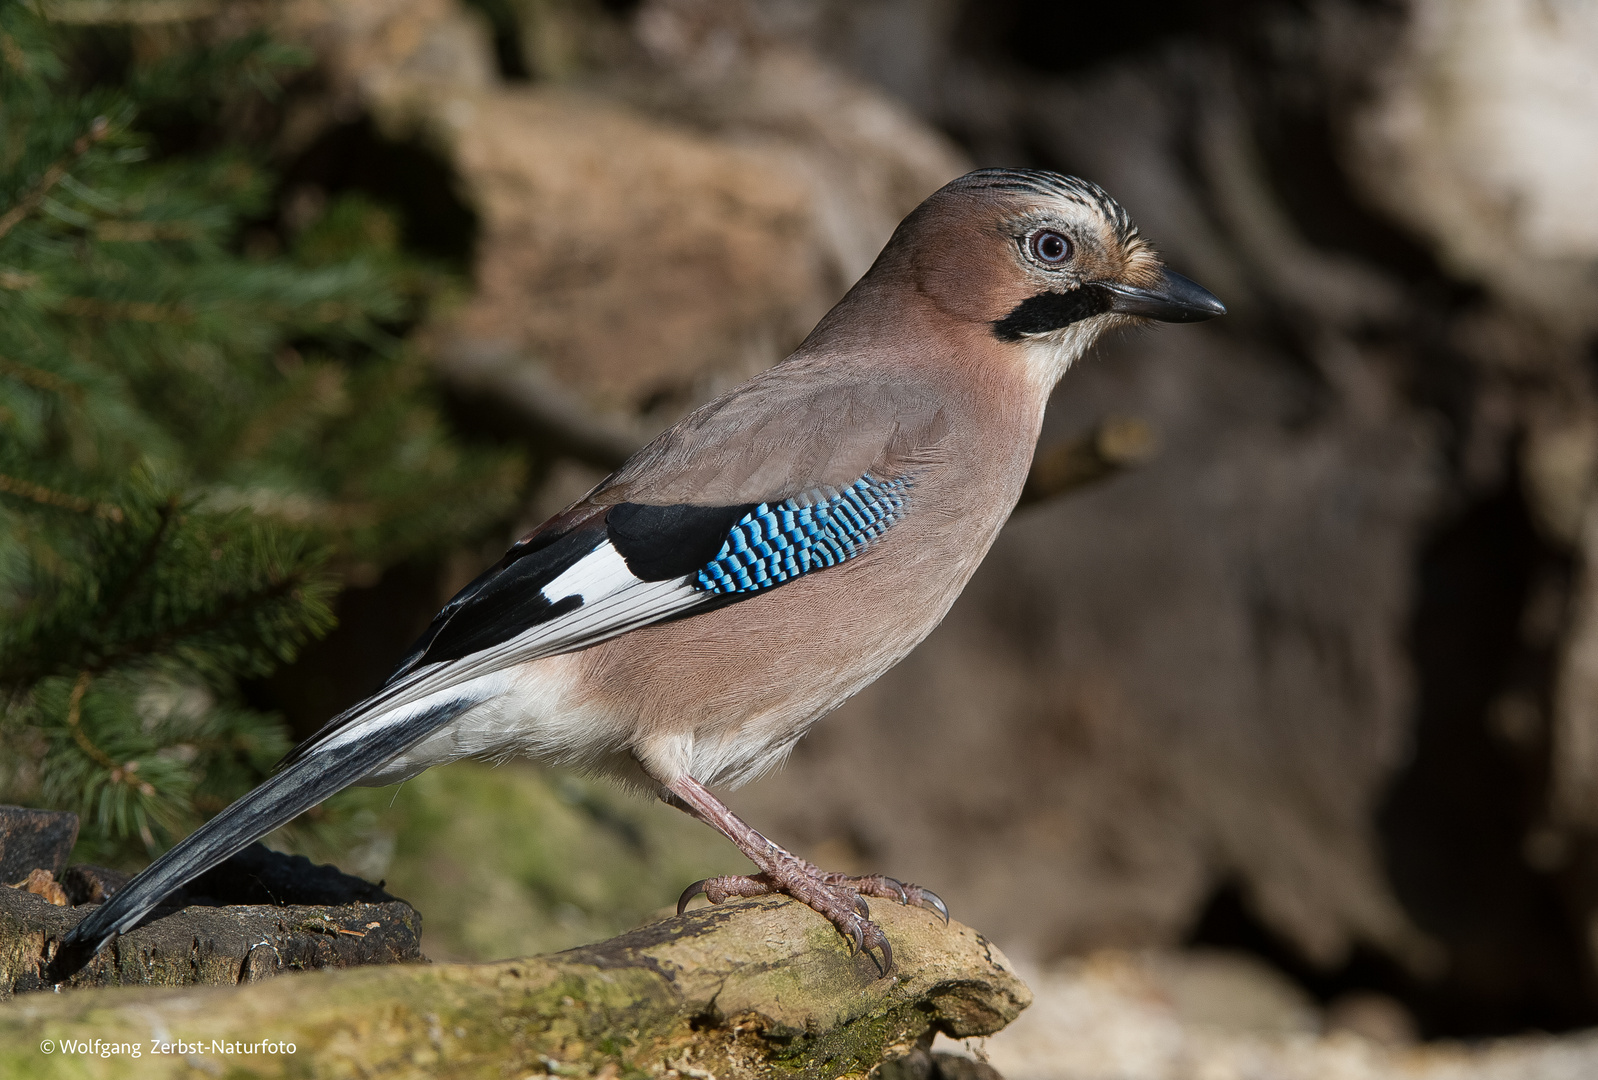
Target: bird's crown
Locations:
point(1040, 184)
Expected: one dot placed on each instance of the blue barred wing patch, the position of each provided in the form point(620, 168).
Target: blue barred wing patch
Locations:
point(777, 542)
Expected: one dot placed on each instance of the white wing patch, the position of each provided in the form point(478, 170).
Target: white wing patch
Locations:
point(614, 602)
point(600, 573)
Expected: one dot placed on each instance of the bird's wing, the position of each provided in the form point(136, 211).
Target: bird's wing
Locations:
point(754, 490)
point(797, 426)
point(761, 487)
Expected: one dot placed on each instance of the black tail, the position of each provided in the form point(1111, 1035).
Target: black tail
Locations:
point(300, 786)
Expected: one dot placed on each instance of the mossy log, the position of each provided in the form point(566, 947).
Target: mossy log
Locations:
point(761, 988)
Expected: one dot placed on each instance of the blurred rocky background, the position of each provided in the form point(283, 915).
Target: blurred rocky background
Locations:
point(1311, 688)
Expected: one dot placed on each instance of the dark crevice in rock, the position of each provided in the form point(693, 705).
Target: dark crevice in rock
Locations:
point(376, 624)
point(1461, 823)
point(503, 23)
point(1468, 852)
point(1061, 39)
point(406, 175)
point(1229, 922)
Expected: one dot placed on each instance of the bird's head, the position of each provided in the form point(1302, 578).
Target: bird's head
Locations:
point(1042, 262)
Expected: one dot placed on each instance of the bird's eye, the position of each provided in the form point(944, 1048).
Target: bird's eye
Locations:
point(1050, 247)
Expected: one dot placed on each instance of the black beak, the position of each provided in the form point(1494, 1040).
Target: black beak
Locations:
point(1174, 299)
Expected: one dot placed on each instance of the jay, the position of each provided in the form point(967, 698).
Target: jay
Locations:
point(684, 623)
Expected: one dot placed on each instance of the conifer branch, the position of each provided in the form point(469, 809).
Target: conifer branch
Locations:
point(38, 493)
point(126, 773)
point(13, 54)
point(132, 310)
point(40, 379)
point(137, 232)
point(300, 509)
point(167, 639)
point(326, 384)
point(188, 594)
point(75, 723)
point(99, 128)
point(166, 513)
point(135, 12)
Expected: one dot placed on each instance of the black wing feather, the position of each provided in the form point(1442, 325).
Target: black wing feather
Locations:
point(658, 543)
point(506, 592)
point(510, 601)
point(664, 542)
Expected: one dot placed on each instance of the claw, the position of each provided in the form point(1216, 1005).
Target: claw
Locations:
point(898, 887)
point(858, 938)
point(887, 965)
point(862, 907)
point(933, 902)
point(698, 887)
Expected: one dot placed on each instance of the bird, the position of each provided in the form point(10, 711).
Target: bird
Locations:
point(683, 624)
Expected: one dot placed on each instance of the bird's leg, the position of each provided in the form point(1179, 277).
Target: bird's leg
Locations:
point(837, 897)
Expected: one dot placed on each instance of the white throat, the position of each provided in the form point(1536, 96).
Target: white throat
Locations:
point(1049, 356)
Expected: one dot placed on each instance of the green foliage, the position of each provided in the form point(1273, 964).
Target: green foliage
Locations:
point(204, 427)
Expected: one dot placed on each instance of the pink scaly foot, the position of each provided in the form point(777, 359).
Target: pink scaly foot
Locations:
point(836, 897)
point(888, 888)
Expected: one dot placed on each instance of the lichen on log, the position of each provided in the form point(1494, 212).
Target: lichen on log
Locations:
point(761, 988)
